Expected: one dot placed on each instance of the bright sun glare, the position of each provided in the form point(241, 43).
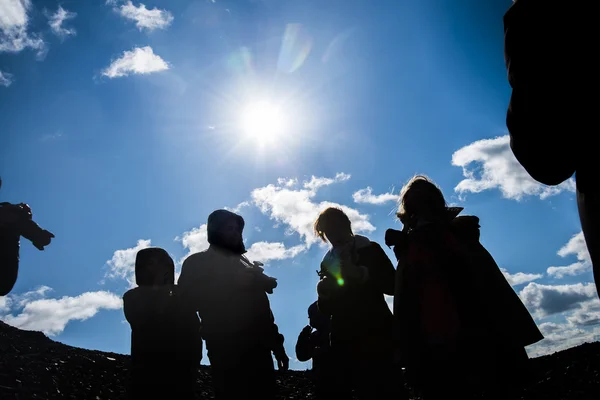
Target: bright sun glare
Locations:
point(263, 121)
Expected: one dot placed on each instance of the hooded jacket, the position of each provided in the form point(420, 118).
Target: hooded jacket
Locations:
point(236, 313)
point(164, 330)
point(447, 281)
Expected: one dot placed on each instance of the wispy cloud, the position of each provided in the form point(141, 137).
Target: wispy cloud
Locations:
point(366, 196)
point(145, 19)
point(266, 251)
point(576, 246)
point(519, 278)
point(56, 21)
point(140, 60)
point(490, 164)
point(6, 79)
point(14, 21)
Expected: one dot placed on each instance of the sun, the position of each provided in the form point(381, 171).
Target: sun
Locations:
point(263, 121)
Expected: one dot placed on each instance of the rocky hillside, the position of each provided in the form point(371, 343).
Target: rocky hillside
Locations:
point(35, 367)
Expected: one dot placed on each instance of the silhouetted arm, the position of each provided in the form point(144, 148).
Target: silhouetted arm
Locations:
point(381, 272)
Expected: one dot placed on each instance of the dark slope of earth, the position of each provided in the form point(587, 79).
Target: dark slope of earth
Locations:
point(35, 367)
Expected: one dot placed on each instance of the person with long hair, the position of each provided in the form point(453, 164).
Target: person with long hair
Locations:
point(461, 328)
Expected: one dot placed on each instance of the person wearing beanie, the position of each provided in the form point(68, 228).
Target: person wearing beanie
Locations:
point(230, 294)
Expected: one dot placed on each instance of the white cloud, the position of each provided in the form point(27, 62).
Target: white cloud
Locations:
point(143, 17)
point(6, 79)
point(296, 208)
point(520, 277)
point(140, 60)
point(497, 168)
point(237, 209)
point(265, 251)
point(366, 196)
point(21, 299)
point(588, 314)
point(316, 183)
point(5, 304)
point(287, 182)
point(122, 263)
point(13, 28)
point(575, 246)
point(546, 300)
point(52, 315)
point(56, 22)
point(569, 314)
point(194, 241)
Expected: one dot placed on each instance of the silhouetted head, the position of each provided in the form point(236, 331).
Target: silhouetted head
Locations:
point(333, 225)
point(224, 229)
point(154, 266)
point(316, 318)
point(422, 199)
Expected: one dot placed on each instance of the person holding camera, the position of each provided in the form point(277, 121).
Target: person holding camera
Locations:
point(355, 275)
point(15, 221)
point(230, 294)
point(461, 328)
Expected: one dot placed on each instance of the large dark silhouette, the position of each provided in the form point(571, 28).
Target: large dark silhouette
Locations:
point(356, 273)
point(15, 221)
point(461, 327)
point(230, 294)
point(551, 65)
point(166, 346)
point(313, 344)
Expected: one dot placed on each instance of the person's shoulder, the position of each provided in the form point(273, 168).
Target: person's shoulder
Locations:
point(327, 255)
point(364, 243)
point(198, 258)
point(131, 294)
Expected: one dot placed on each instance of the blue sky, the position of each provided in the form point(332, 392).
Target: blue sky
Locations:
point(124, 125)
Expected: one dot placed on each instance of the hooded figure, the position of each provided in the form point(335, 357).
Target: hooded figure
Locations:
point(166, 346)
point(460, 325)
point(230, 294)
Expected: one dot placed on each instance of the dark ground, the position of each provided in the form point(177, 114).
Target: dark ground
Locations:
point(35, 367)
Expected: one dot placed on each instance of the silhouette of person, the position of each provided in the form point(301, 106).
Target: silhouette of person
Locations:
point(16, 221)
point(166, 346)
point(230, 294)
point(548, 66)
point(313, 343)
point(356, 273)
point(461, 327)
